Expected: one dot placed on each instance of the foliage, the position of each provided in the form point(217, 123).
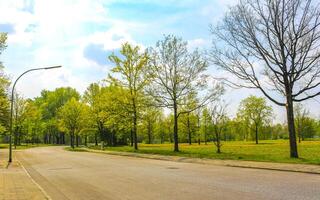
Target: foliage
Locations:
point(131, 70)
point(73, 118)
point(4, 83)
point(256, 112)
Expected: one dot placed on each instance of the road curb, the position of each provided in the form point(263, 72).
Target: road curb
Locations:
point(286, 167)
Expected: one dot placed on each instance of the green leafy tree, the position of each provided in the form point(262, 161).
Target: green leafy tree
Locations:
point(150, 119)
point(32, 123)
point(4, 83)
point(206, 119)
point(93, 96)
point(301, 115)
point(19, 117)
point(189, 119)
point(49, 103)
point(256, 111)
point(73, 117)
point(129, 73)
point(3, 44)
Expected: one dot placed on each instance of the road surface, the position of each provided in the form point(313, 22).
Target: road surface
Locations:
point(81, 175)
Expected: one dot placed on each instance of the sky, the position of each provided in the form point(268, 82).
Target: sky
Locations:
point(80, 34)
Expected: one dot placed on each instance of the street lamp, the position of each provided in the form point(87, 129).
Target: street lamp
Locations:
point(12, 98)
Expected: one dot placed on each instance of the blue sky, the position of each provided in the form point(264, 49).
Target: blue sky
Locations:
point(80, 34)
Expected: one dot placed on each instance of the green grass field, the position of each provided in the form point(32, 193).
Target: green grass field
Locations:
point(23, 146)
point(267, 150)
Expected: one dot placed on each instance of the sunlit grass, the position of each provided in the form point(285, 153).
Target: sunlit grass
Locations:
point(267, 150)
point(23, 146)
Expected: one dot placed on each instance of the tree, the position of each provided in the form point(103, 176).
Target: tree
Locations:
point(93, 96)
point(4, 83)
point(73, 117)
point(32, 123)
point(309, 128)
point(151, 117)
point(176, 73)
point(188, 119)
point(206, 119)
point(189, 125)
point(131, 75)
point(19, 117)
point(272, 45)
point(256, 111)
point(4, 103)
point(300, 114)
point(49, 103)
point(219, 121)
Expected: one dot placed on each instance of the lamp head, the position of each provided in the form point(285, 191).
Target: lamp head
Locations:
point(58, 66)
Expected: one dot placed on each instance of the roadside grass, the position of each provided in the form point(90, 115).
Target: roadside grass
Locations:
point(78, 149)
point(23, 146)
point(265, 151)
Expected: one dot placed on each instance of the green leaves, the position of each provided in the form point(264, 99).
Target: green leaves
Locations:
point(255, 109)
point(74, 115)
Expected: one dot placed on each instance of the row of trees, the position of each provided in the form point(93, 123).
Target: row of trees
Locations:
point(100, 115)
point(268, 45)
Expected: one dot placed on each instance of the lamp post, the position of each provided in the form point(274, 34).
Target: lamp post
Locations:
point(12, 99)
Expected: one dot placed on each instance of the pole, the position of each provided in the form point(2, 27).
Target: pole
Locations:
point(11, 106)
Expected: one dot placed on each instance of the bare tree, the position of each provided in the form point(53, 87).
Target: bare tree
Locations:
point(272, 45)
point(176, 74)
point(218, 121)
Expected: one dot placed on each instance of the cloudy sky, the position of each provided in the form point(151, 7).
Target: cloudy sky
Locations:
point(80, 34)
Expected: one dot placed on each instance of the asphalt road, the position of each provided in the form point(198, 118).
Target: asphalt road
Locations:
point(79, 175)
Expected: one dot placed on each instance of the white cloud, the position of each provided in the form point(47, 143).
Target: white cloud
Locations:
point(57, 32)
point(198, 43)
point(57, 35)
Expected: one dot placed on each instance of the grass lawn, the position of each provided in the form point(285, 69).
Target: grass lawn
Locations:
point(267, 150)
point(22, 146)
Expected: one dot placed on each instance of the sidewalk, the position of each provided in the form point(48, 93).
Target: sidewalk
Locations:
point(304, 168)
point(15, 183)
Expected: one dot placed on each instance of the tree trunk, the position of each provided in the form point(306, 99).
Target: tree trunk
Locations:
point(218, 149)
point(199, 135)
point(77, 140)
point(256, 130)
point(131, 137)
point(135, 130)
point(85, 140)
point(149, 132)
point(205, 134)
point(175, 127)
point(162, 137)
point(291, 128)
point(72, 140)
point(95, 139)
point(189, 132)
point(218, 142)
point(63, 139)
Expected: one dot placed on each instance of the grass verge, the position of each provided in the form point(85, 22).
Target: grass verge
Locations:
point(266, 151)
point(23, 146)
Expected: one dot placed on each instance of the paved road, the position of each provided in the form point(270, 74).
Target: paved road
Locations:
point(78, 175)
